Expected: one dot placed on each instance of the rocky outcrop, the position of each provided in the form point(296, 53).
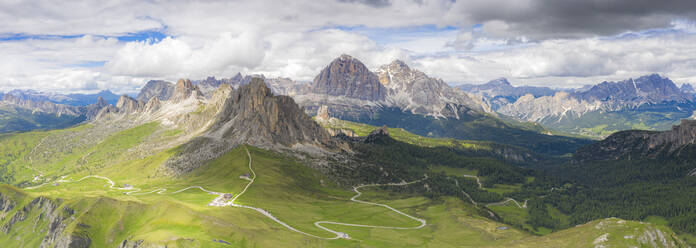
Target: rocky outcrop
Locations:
point(128, 105)
point(253, 115)
point(153, 105)
point(6, 204)
point(637, 144)
point(163, 90)
point(43, 210)
point(377, 135)
point(323, 114)
point(185, 89)
point(347, 76)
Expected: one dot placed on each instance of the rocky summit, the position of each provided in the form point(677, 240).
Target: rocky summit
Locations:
point(347, 76)
point(184, 89)
point(650, 88)
point(163, 90)
point(253, 115)
point(414, 91)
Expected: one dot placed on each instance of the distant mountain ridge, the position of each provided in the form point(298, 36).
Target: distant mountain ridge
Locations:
point(647, 102)
point(678, 142)
point(67, 99)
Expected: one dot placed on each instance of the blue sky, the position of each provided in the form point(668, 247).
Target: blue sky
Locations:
point(120, 45)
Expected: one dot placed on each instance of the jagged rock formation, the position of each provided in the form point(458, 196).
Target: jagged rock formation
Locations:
point(163, 90)
point(347, 76)
point(128, 105)
point(253, 115)
point(323, 113)
point(412, 90)
point(637, 144)
point(185, 89)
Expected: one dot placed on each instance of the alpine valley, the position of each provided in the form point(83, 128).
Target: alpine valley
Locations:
point(389, 157)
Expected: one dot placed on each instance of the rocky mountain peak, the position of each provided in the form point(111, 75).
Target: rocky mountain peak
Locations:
point(101, 101)
point(253, 115)
point(648, 88)
point(156, 88)
point(127, 104)
point(323, 114)
point(153, 105)
point(347, 76)
point(184, 89)
point(499, 82)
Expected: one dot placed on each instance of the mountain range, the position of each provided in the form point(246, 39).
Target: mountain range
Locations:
point(647, 102)
point(241, 162)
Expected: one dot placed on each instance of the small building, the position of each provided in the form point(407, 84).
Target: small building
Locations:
point(245, 176)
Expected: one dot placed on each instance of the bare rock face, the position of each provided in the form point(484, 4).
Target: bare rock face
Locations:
point(185, 89)
point(347, 76)
point(92, 110)
point(414, 91)
point(323, 113)
point(163, 90)
point(252, 115)
point(637, 144)
point(153, 105)
point(128, 105)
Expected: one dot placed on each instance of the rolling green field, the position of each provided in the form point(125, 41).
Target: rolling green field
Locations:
point(289, 190)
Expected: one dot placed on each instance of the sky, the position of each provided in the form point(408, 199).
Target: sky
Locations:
point(87, 46)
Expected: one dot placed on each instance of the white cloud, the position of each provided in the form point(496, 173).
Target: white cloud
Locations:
point(298, 38)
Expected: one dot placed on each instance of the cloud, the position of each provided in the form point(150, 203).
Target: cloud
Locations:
point(173, 57)
point(553, 19)
point(574, 62)
point(530, 41)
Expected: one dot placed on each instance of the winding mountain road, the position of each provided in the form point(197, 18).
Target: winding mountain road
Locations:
point(500, 203)
point(226, 199)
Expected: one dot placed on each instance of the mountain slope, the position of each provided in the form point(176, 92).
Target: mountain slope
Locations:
point(675, 143)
